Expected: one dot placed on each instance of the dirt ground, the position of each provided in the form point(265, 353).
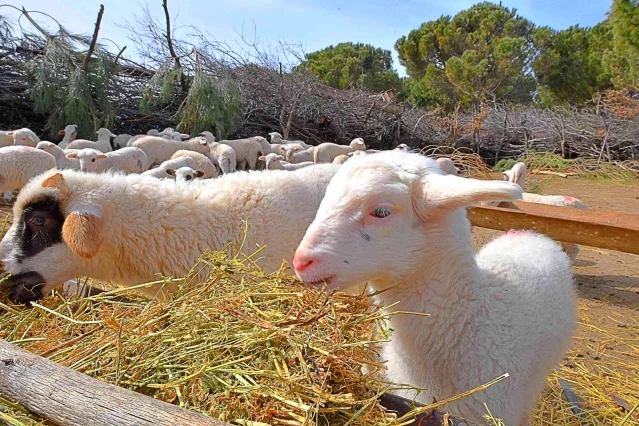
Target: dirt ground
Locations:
point(605, 351)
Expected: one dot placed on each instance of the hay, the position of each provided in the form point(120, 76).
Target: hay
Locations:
point(241, 347)
point(468, 162)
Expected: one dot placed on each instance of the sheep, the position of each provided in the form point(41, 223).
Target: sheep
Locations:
point(160, 172)
point(447, 166)
point(274, 162)
point(292, 155)
point(103, 144)
point(61, 161)
point(18, 164)
point(517, 174)
point(128, 160)
point(340, 159)
point(396, 218)
point(326, 152)
point(203, 163)
point(24, 137)
point(276, 139)
point(246, 150)
point(403, 147)
point(69, 132)
point(280, 148)
point(121, 140)
point(184, 175)
point(222, 155)
point(158, 149)
point(130, 229)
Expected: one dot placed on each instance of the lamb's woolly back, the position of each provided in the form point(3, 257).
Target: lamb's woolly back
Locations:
point(396, 218)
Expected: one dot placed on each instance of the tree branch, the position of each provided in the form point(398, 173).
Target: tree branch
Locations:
point(169, 41)
point(94, 39)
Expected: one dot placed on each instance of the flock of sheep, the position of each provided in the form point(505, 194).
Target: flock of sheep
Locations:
point(395, 217)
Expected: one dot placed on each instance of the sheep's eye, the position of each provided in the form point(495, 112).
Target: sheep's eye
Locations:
point(381, 212)
point(93, 160)
point(38, 221)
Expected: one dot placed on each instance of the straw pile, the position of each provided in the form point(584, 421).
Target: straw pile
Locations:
point(242, 347)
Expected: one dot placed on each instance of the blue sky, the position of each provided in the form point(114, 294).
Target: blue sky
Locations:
point(315, 24)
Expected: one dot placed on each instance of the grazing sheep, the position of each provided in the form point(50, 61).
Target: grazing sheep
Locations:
point(340, 159)
point(222, 155)
point(326, 152)
point(158, 149)
point(103, 144)
point(203, 163)
point(274, 162)
point(160, 172)
point(18, 164)
point(128, 160)
point(517, 174)
point(129, 229)
point(61, 160)
point(184, 175)
point(121, 140)
point(24, 137)
point(395, 220)
point(276, 139)
point(69, 133)
point(447, 166)
point(246, 150)
point(294, 155)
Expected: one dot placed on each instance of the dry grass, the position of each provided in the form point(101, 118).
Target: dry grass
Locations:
point(241, 347)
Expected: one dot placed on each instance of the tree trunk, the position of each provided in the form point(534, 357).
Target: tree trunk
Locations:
point(67, 397)
point(94, 40)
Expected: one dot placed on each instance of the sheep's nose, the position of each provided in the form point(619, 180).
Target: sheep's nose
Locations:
point(302, 262)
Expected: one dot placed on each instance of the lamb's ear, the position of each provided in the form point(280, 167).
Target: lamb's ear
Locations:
point(262, 158)
point(184, 136)
point(199, 173)
point(170, 172)
point(102, 156)
point(83, 233)
point(438, 193)
point(56, 181)
point(72, 155)
point(279, 157)
point(283, 148)
point(61, 132)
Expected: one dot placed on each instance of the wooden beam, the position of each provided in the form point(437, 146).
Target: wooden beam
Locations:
point(607, 230)
point(66, 397)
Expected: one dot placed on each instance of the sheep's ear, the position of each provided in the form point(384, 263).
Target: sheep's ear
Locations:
point(438, 193)
point(72, 155)
point(56, 181)
point(262, 158)
point(505, 176)
point(199, 173)
point(10, 133)
point(61, 132)
point(170, 172)
point(279, 157)
point(184, 136)
point(83, 233)
point(102, 156)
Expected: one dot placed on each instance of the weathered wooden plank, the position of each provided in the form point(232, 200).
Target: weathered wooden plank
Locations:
point(67, 397)
point(608, 230)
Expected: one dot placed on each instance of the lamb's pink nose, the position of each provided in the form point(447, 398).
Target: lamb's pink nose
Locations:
point(302, 262)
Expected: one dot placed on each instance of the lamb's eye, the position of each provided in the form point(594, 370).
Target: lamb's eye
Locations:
point(381, 212)
point(93, 160)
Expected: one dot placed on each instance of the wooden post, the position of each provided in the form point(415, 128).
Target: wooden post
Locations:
point(67, 397)
point(613, 231)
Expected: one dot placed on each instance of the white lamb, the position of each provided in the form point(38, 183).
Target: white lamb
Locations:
point(395, 220)
point(121, 140)
point(158, 149)
point(276, 139)
point(128, 160)
point(280, 148)
point(203, 163)
point(184, 175)
point(293, 155)
point(24, 137)
point(132, 229)
point(160, 172)
point(103, 144)
point(326, 152)
point(274, 162)
point(447, 165)
point(18, 164)
point(61, 160)
point(69, 133)
point(246, 150)
point(222, 155)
